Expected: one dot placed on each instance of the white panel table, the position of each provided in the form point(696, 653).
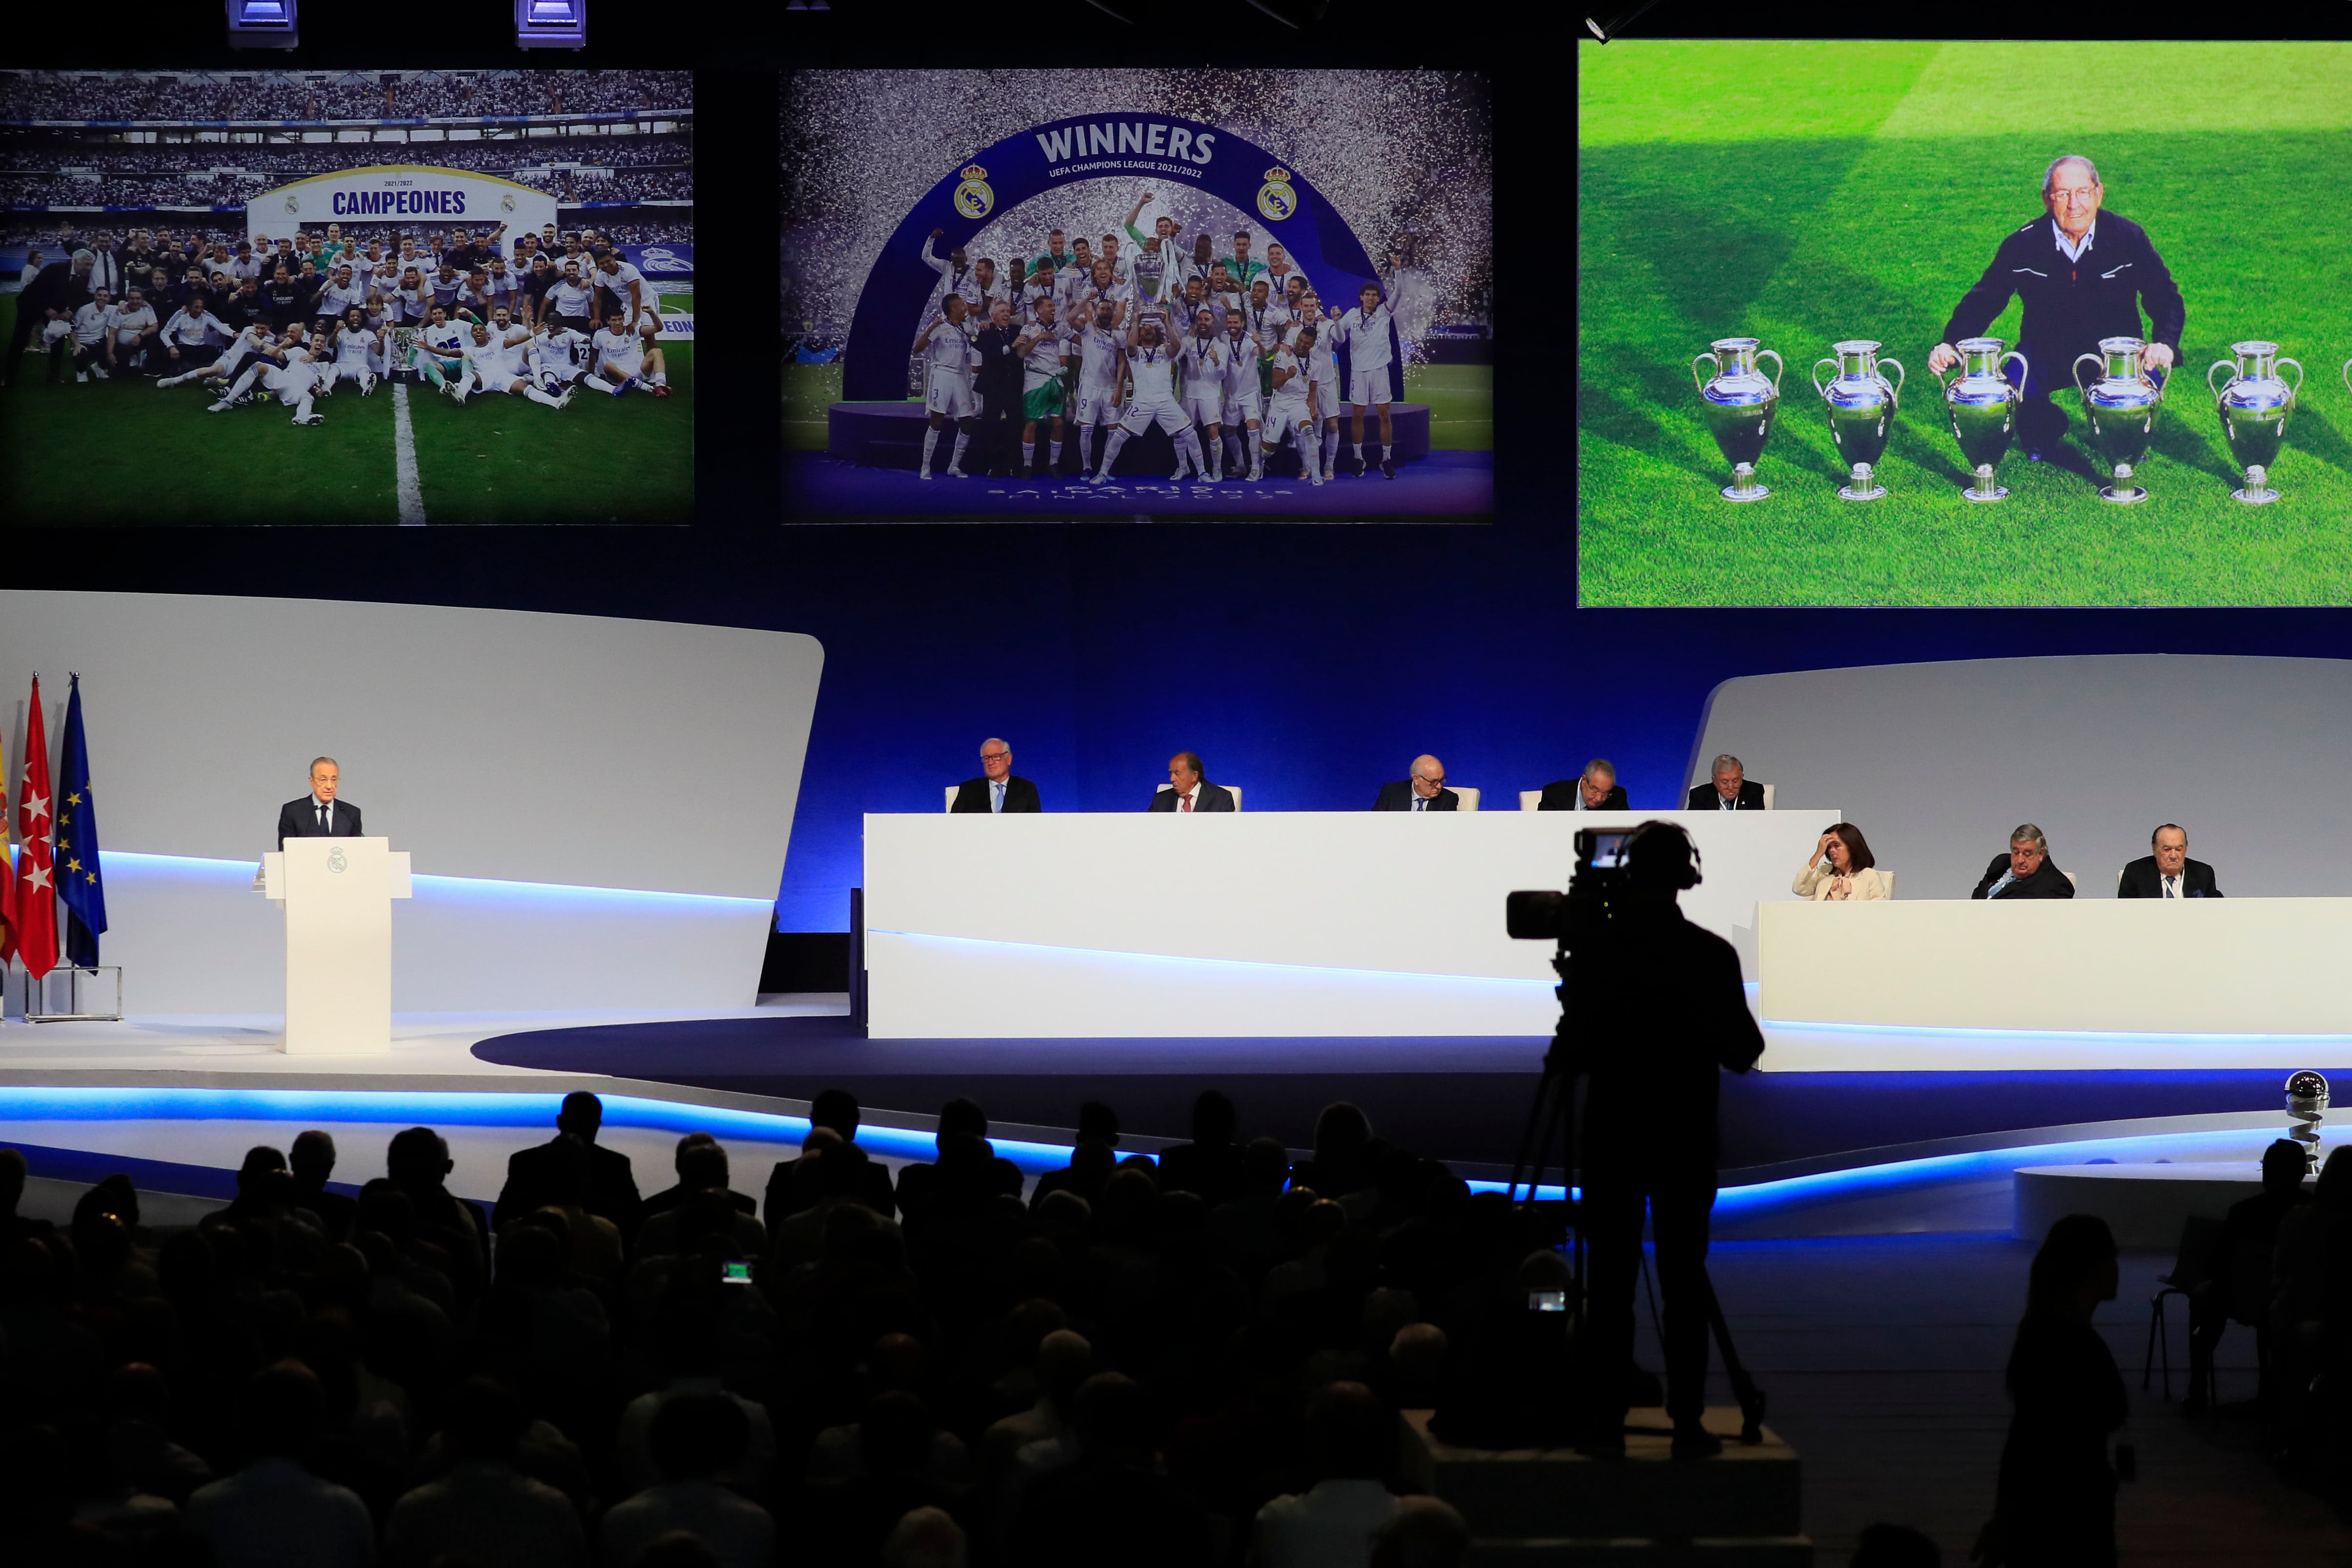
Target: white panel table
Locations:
point(1252, 924)
point(1936, 984)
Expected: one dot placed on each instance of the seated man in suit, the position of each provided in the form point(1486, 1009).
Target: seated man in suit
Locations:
point(611, 1185)
point(2026, 872)
point(2169, 873)
point(1594, 790)
point(838, 1110)
point(1189, 790)
point(996, 790)
point(319, 815)
point(1732, 791)
point(1425, 792)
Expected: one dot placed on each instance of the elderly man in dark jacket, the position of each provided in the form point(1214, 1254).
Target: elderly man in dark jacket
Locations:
point(2026, 870)
point(2082, 276)
point(56, 291)
point(998, 382)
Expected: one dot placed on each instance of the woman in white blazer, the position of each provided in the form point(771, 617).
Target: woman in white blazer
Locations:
point(1842, 868)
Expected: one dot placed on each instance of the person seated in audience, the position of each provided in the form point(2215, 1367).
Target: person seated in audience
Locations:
point(2240, 1282)
point(274, 1511)
point(835, 1174)
point(485, 1510)
point(1109, 1503)
point(1092, 1160)
point(967, 1172)
point(1189, 789)
point(418, 1164)
point(696, 1439)
point(926, 1538)
point(688, 1184)
point(1343, 1136)
point(1210, 1165)
point(699, 1205)
point(1064, 1360)
point(2167, 872)
point(1594, 790)
point(1351, 1441)
point(313, 1159)
point(1840, 868)
point(612, 1186)
point(1424, 790)
point(2314, 1265)
point(837, 1111)
point(2026, 870)
point(1730, 789)
point(1423, 1533)
point(998, 789)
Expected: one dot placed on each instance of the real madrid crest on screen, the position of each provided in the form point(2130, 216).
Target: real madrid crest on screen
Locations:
point(336, 862)
point(506, 201)
point(973, 198)
point(293, 202)
point(1275, 198)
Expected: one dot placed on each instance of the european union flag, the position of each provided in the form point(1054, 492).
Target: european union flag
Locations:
point(82, 886)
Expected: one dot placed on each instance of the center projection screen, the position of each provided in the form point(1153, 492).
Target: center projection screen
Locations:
point(1850, 207)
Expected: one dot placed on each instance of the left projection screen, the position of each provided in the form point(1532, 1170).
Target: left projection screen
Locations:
point(536, 766)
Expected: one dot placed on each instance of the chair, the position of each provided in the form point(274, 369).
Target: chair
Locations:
point(2192, 1267)
point(952, 789)
point(2119, 881)
point(1768, 797)
point(1234, 788)
point(1528, 798)
point(2074, 882)
point(1888, 878)
point(1469, 798)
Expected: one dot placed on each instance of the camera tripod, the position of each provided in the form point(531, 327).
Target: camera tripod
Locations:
point(1553, 1111)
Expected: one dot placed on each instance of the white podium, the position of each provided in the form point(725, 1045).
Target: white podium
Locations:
point(338, 894)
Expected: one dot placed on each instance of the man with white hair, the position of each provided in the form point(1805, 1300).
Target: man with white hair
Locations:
point(997, 790)
point(2026, 871)
point(926, 1538)
point(2083, 275)
point(1729, 788)
point(1594, 790)
point(53, 295)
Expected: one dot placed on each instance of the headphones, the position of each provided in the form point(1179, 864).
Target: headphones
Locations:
point(1676, 857)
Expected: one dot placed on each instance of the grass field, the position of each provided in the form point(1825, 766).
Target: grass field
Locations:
point(121, 451)
point(1461, 401)
point(1804, 193)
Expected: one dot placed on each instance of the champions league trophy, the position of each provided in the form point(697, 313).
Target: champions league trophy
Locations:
point(1738, 404)
point(1983, 406)
point(2307, 1103)
point(2122, 405)
point(1860, 409)
point(2254, 405)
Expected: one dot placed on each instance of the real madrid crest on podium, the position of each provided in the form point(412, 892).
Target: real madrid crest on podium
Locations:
point(973, 198)
point(1275, 199)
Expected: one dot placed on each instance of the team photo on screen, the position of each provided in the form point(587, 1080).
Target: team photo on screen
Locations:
point(1933, 324)
point(1123, 294)
point(409, 297)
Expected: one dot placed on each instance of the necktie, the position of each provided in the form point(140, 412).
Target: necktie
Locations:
point(1184, 801)
point(998, 786)
point(1419, 804)
point(323, 829)
point(2172, 887)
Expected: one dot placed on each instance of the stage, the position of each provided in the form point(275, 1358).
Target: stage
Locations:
point(176, 1101)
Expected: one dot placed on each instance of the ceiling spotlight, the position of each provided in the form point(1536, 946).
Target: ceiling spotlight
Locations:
point(551, 23)
point(1596, 29)
point(261, 24)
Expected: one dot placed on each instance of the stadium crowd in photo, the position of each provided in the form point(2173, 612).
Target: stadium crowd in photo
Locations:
point(1075, 303)
point(267, 241)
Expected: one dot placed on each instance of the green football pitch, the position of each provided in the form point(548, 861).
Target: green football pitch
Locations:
point(1461, 400)
point(1805, 192)
point(121, 451)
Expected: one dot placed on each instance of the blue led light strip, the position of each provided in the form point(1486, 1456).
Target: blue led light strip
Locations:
point(444, 886)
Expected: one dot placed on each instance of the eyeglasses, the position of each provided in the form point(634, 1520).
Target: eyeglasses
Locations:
point(996, 756)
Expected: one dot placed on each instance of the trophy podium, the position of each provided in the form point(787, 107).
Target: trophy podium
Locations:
point(338, 894)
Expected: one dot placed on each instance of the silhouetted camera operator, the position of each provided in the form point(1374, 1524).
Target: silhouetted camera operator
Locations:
point(1663, 1011)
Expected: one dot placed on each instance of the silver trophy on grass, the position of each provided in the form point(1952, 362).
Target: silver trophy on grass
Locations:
point(2122, 404)
point(401, 362)
point(1860, 409)
point(1738, 404)
point(2255, 403)
point(1983, 406)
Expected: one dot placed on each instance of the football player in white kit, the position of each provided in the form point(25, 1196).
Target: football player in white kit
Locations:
point(358, 353)
point(1244, 412)
point(439, 355)
point(494, 363)
point(643, 313)
point(1102, 366)
point(944, 347)
point(616, 356)
point(1043, 349)
point(1288, 411)
point(1365, 331)
point(557, 356)
point(1323, 388)
point(1203, 358)
point(284, 369)
point(187, 337)
point(248, 343)
point(1151, 379)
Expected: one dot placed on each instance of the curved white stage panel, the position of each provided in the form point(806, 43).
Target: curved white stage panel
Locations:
point(552, 776)
point(1253, 924)
point(1937, 762)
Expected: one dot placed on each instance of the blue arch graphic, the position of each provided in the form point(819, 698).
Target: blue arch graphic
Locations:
point(1165, 149)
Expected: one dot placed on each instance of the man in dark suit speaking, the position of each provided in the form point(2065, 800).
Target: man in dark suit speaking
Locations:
point(2026, 872)
point(1731, 790)
point(319, 815)
point(996, 790)
point(1594, 790)
point(1189, 790)
point(1425, 792)
point(2169, 873)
